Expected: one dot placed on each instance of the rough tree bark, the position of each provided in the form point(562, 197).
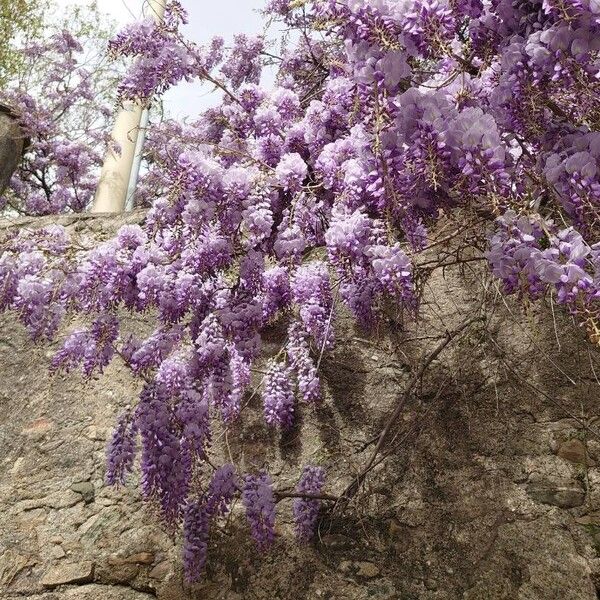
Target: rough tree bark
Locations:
point(12, 144)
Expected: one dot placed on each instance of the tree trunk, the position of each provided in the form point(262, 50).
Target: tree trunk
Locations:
point(12, 144)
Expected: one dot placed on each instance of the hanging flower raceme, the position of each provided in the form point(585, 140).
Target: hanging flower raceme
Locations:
point(306, 509)
point(278, 396)
point(259, 501)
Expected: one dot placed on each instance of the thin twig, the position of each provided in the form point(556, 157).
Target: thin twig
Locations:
point(352, 489)
point(325, 497)
point(553, 401)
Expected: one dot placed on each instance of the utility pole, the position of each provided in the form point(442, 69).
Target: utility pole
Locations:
point(137, 158)
point(111, 194)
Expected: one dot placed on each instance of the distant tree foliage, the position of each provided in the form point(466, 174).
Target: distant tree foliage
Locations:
point(19, 20)
point(62, 90)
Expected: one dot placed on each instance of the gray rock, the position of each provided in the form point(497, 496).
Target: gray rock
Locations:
point(141, 558)
point(564, 496)
point(574, 451)
point(86, 489)
point(337, 541)
point(88, 592)
point(161, 570)
point(103, 592)
point(11, 564)
point(65, 573)
point(364, 569)
point(57, 552)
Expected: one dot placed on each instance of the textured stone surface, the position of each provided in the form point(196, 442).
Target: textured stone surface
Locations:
point(92, 592)
point(86, 489)
point(573, 451)
point(490, 490)
point(64, 573)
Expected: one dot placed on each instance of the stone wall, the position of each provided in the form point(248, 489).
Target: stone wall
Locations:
point(491, 489)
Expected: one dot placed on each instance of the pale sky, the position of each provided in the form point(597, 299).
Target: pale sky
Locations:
point(207, 18)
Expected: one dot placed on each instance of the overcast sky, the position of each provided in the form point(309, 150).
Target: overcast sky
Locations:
point(207, 18)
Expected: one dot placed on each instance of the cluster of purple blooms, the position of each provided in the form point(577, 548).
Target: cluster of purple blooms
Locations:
point(531, 256)
point(59, 170)
point(277, 206)
point(306, 509)
point(198, 515)
point(161, 60)
point(259, 501)
point(278, 397)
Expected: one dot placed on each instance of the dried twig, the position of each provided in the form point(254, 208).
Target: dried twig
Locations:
point(353, 488)
point(326, 497)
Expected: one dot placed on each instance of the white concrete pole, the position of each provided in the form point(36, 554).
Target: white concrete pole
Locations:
point(137, 159)
point(111, 194)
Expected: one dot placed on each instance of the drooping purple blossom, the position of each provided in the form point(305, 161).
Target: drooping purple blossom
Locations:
point(210, 343)
point(276, 291)
point(193, 413)
point(304, 366)
point(174, 373)
point(311, 291)
point(120, 453)
point(278, 395)
point(197, 518)
point(291, 171)
point(196, 525)
point(244, 65)
point(259, 501)
point(306, 510)
point(64, 120)
point(91, 349)
point(393, 271)
point(165, 468)
point(431, 24)
point(154, 349)
point(221, 490)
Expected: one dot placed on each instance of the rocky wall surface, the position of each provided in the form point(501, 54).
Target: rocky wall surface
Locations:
point(490, 488)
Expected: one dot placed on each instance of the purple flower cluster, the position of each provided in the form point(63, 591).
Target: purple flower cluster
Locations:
point(278, 396)
point(120, 452)
point(393, 271)
point(306, 510)
point(259, 501)
point(92, 349)
point(165, 468)
point(65, 121)
point(291, 172)
point(431, 26)
point(197, 517)
point(277, 292)
point(298, 351)
point(162, 61)
point(193, 413)
point(574, 172)
point(244, 62)
point(511, 247)
point(532, 256)
point(311, 291)
point(196, 526)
